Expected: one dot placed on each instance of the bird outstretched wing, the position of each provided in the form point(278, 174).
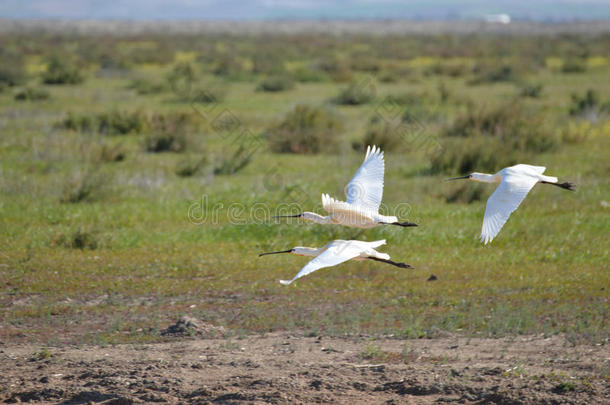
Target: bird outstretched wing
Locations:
point(365, 190)
point(506, 199)
point(338, 251)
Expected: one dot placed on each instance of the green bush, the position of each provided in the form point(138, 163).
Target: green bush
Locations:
point(465, 193)
point(309, 75)
point(516, 127)
point(589, 104)
point(475, 153)
point(169, 133)
point(207, 93)
point(146, 86)
point(82, 186)
point(11, 75)
point(230, 67)
point(111, 123)
point(235, 162)
point(337, 69)
point(531, 90)
point(276, 83)
point(121, 122)
point(32, 94)
point(484, 73)
point(79, 239)
point(165, 142)
point(355, 94)
point(383, 134)
point(305, 129)
point(189, 166)
point(574, 65)
point(61, 71)
point(111, 153)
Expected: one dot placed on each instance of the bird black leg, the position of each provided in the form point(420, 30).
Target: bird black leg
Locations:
point(567, 185)
point(401, 265)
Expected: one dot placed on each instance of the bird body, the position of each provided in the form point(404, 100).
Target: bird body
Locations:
point(364, 194)
point(515, 182)
point(336, 252)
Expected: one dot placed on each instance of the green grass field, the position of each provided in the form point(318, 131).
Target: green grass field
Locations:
point(99, 248)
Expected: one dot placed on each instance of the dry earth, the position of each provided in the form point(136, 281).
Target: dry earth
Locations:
point(284, 368)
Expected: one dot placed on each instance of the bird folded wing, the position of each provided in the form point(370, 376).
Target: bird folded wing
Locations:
point(341, 207)
point(365, 190)
point(506, 199)
point(335, 253)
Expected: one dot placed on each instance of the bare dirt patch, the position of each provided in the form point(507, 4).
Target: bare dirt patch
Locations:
point(283, 368)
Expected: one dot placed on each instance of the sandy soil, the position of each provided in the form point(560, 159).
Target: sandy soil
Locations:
point(284, 368)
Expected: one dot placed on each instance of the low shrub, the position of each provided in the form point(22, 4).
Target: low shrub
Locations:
point(189, 166)
point(465, 193)
point(61, 71)
point(146, 86)
point(384, 134)
point(516, 127)
point(309, 75)
point(169, 133)
point(475, 153)
point(110, 123)
point(337, 69)
point(82, 186)
point(121, 122)
point(32, 94)
point(531, 90)
point(276, 83)
point(355, 94)
point(574, 65)
point(589, 105)
point(79, 239)
point(11, 75)
point(111, 153)
point(305, 129)
point(165, 142)
point(493, 73)
point(235, 162)
point(207, 93)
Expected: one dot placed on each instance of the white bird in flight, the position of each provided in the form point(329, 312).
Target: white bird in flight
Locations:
point(338, 251)
point(515, 182)
point(364, 193)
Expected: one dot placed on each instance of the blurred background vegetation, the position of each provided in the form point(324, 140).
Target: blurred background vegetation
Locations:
point(107, 141)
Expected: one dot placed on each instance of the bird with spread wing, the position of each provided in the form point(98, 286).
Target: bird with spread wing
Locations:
point(364, 194)
point(336, 252)
point(515, 182)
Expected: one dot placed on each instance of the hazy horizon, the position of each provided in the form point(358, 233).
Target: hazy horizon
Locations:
point(240, 10)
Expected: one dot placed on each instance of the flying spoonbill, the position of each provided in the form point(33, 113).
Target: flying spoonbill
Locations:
point(338, 251)
point(515, 182)
point(364, 194)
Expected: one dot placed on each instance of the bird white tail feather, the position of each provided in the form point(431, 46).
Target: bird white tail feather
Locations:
point(549, 179)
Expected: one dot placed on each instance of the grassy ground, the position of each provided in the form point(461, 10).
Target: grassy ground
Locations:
point(126, 260)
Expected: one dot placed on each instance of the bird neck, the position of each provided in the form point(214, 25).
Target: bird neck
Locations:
point(305, 251)
point(485, 178)
point(317, 218)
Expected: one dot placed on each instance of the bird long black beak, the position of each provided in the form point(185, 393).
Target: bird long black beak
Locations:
point(287, 216)
point(458, 178)
point(275, 253)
